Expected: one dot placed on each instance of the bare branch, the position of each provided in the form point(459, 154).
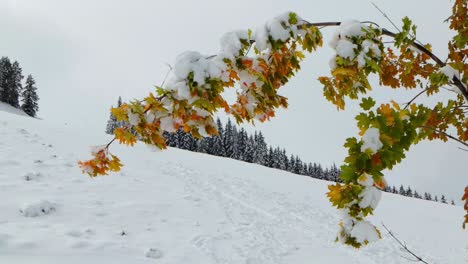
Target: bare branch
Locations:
point(446, 134)
point(404, 247)
point(385, 15)
point(167, 74)
point(414, 98)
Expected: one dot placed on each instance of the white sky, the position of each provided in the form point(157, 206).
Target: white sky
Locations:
point(85, 53)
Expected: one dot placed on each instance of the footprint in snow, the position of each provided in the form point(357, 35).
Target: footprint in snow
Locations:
point(4, 239)
point(80, 244)
point(32, 176)
point(22, 131)
point(154, 253)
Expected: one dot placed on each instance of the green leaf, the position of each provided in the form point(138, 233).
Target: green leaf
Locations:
point(367, 103)
point(292, 18)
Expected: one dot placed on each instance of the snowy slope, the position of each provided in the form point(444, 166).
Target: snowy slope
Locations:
point(187, 208)
point(10, 109)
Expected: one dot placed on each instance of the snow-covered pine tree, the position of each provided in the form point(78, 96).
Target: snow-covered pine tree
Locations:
point(285, 160)
point(416, 195)
point(270, 157)
point(235, 143)
point(1, 77)
point(282, 162)
point(334, 173)
point(292, 163)
point(409, 192)
point(443, 199)
point(275, 158)
point(326, 174)
point(402, 190)
point(29, 97)
point(240, 145)
point(6, 73)
point(218, 145)
point(427, 196)
point(169, 138)
point(112, 122)
point(249, 149)
point(228, 139)
point(186, 140)
point(320, 172)
point(119, 104)
point(261, 149)
point(11, 86)
point(299, 166)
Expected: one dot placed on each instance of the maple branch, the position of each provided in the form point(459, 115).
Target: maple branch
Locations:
point(129, 126)
point(404, 247)
point(456, 81)
point(446, 134)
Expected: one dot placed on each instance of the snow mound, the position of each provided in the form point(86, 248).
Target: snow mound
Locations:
point(38, 208)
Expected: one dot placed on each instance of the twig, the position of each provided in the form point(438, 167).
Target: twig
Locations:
point(447, 135)
point(167, 74)
point(464, 149)
point(404, 247)
point(414, 98)
point(385, 15)
point(389, 20)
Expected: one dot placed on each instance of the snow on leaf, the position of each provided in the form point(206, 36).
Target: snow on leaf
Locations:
point(371, 140)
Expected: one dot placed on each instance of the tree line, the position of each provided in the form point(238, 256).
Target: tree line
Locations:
point(235, 143)
point(12, 90)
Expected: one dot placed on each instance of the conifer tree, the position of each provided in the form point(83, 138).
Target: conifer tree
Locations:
point(228, 139)
point(113, 123)
point(409, 192)
point(240, 145)
point(249, 149)
point(261, 149)
point(292, 164)
point(270, 157)
point(10, 86)
point(219, 140)
point(443, 199)
point(30, 98)
point(402, 190)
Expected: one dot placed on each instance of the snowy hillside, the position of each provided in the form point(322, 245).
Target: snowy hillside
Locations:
point(181, 207)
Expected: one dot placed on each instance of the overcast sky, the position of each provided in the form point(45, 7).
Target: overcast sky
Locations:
point(85, 53)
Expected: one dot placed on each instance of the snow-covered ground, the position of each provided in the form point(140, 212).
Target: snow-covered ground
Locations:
point(181, 207)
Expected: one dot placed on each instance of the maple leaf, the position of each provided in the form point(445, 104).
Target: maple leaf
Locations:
point(334, 193)
point(387, 111)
